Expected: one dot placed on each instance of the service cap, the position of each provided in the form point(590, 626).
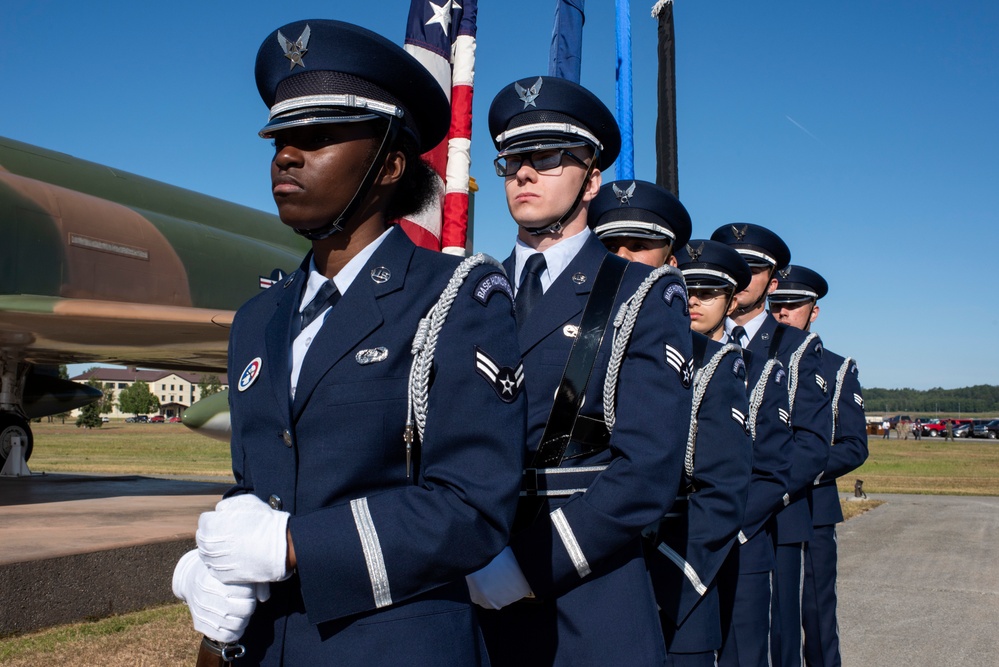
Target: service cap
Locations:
point(549, 112)
point(712, 264)
point(639, 208)
point(758, 245)
point(797, 283)
point(324, 71)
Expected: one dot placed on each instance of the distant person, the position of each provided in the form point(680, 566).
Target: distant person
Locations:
point(917, 430)
point(906, 427)
point(949, 431)
point(886, 427)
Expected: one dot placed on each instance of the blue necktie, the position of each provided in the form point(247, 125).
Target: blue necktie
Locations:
point(326, 297)
point(530, 291)
point(738, 333)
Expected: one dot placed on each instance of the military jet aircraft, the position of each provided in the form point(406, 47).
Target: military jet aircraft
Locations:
point(100, 265)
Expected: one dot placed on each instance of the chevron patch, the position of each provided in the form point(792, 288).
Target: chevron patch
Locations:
point(740, 419)
point(858, 399)
point(821, 381)
point(684, 367)
point(785, 416)
point(506, 382)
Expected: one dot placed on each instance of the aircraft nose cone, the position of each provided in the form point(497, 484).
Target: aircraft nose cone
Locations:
point(210, 416)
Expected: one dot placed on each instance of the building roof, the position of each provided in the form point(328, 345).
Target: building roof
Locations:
point(133, 375)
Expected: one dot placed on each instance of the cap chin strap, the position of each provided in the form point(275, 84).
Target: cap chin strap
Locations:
point(556, 227)
point(336, 225)
point(763, 297)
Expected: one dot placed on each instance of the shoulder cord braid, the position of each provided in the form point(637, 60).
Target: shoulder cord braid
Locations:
point(792, 373)
point(701, 381)
point(424, 346)
point(756, 396)
point(840, 379)
point(624, 325)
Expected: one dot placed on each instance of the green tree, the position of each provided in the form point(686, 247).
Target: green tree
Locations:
point(209, 385)
point(90, 414)
point(107, 403)
point(137, 399)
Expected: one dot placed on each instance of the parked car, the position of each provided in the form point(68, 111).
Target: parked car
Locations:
point(138, 419)
point(980, 429)
point(935, 427)
point(157, 419)
point(993, 427)
point(905, 419)
point(963, 430)
point(174, 420)
point(105, 420)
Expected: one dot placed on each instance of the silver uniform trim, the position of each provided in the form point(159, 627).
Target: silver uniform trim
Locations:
point(710, 272)
point(794, 292)
point(556, 493)
point(569, 541)
point(558, 471)
point(742, 537)
point(551, 128)
point(688, 569)
point(633, 224)
point(350, 101)
point(786, 499)
point(760, 255)
point(372, 548)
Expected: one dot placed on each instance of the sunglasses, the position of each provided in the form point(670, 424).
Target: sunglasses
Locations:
point(546, 160)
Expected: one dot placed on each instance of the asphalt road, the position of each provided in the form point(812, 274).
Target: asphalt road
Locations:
point(919, 583)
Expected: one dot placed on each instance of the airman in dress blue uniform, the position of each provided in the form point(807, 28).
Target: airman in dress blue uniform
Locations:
point(794, 302)
point(374, 468)
point(573, 589)
point(810, 417)
point(643, 222)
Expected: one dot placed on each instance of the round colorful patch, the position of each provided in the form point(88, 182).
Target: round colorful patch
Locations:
point(250, 374)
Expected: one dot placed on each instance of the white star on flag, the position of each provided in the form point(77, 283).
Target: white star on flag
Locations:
point(442, 14)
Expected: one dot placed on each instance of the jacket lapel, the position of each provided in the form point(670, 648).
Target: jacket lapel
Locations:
point(277, 333)
point(355, 316)
point(566, 297)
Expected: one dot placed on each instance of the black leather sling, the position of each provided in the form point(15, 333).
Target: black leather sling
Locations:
point(567, 434)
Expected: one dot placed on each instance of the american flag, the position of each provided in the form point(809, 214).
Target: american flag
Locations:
point(442, 37)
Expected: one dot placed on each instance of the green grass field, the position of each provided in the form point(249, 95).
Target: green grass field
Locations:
point(163, 637)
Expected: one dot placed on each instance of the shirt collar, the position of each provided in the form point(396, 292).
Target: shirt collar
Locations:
point(345, 277)
point(751, 327)
point(557, 257)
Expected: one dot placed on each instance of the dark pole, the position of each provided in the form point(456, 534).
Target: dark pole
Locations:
point(666, 150)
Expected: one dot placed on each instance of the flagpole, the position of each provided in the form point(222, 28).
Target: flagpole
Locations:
point(666, 147)
point(625, 169)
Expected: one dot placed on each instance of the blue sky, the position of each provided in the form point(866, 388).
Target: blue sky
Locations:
point(864, 133)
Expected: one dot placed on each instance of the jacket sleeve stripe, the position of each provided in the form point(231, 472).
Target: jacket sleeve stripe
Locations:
point(373, 557)
point(688, 570)
point(571, 545)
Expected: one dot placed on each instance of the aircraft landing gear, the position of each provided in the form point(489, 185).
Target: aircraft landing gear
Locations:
point(11, 426)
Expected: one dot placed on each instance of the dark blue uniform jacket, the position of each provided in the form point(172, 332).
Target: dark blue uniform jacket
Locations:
point(583, 555)
point(381, 558)
point(849, 448)
point(698, 533)
point(811, 423)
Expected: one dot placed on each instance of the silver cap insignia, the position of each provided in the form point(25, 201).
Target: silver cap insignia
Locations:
point(624, 196)
point(528, 95)
point(294, 51)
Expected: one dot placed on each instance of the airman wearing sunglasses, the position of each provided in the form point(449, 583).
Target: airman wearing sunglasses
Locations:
point(573, 588)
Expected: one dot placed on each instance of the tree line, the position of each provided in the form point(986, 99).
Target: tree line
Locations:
point(980, 398)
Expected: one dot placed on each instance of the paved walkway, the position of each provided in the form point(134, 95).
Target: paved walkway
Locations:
point(919, 583)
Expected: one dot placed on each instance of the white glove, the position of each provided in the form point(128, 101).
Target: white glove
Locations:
point(219, 611)
point(244, 541)
point(498, 584)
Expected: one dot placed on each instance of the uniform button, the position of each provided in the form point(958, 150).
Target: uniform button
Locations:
point(286, 437)
point(275, 502)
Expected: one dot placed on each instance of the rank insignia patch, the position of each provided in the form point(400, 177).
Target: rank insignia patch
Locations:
point(740, 419)
point(859, 400)
point(506, 381)
point(494, 282)
point(821, 381)
point(785, 416)
point(676, 291)
point(684, 367)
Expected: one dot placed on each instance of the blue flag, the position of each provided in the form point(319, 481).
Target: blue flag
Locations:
point(567, 40)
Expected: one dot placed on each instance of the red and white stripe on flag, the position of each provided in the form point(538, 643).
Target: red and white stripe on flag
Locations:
point(442, 37)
